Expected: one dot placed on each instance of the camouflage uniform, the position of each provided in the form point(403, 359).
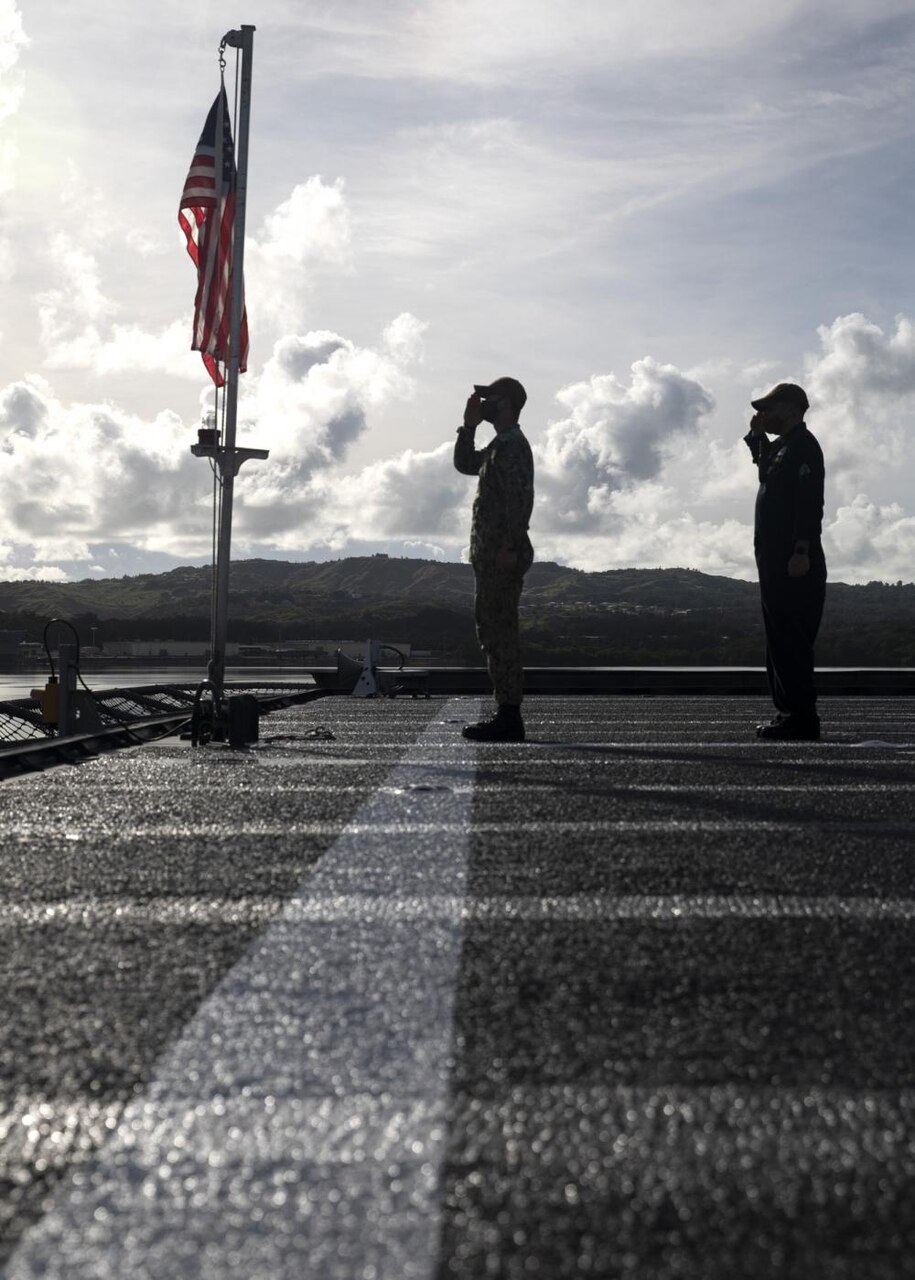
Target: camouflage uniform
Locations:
point(501, 515)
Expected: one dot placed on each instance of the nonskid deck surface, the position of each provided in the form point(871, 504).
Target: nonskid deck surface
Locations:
point(633, 999)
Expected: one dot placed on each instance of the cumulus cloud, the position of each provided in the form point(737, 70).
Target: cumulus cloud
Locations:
point(601, 502)
point(861, 383)
point(423, 550)
point(862, 389)
point(70, 474)
point(645, 539)
point(313, 224)
point(315, 397)
point(12, 572)
point(416, 495)
point(639, 474)
point(632, 471)
point(78, 329)
point(316, 389)
point(878, 541)
point(614, 436)
point(79, 474)
point(309, 230)
point(78, 316)
point(69, 313)
point(403, 339)
point(611, 496)
point(860, 361)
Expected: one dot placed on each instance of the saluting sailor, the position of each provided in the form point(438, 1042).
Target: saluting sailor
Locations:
point(500, 549)
point(789, 555)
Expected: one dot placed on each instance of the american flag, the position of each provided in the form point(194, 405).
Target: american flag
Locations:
point(206, 215)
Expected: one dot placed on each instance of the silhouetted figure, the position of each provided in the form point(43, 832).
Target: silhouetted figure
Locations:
point(500, 549)
point(789, 556)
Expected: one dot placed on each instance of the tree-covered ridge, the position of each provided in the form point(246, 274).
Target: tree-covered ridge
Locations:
point(621, 616)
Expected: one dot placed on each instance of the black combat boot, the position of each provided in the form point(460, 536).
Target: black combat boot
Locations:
point(798, 728)
point(505, 726)
point(769, 724)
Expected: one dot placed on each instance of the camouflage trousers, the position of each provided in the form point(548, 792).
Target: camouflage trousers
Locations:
point(495, 612)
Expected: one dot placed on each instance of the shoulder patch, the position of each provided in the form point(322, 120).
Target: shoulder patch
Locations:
point(803, 470)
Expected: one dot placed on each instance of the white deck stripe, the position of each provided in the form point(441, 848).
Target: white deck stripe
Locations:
point(433, 830)
point(347, 1025)
point(362, 908)
point(763, 788)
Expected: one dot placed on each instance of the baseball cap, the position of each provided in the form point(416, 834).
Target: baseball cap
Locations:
point(789, 391)
point(511, 388)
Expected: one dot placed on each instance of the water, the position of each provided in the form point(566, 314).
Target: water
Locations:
point(19, 684)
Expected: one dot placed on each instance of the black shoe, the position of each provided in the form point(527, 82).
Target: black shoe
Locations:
point(505, 726)
point(776, 719)
point(791, 729)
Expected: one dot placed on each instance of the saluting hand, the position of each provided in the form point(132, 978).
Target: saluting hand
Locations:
point(473, 411)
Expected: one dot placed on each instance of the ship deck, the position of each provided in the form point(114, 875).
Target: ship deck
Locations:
point(636, 998)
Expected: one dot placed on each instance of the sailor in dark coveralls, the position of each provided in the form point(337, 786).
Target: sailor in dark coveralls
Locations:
point(500, 549)
point(789, 556)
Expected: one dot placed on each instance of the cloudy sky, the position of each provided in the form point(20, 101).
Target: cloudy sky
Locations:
point(646, 212)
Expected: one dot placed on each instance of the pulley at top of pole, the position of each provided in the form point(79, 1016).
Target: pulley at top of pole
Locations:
point(232, 40)
point(235, 39)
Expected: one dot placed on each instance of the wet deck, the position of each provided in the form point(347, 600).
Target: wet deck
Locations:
point(633, 999)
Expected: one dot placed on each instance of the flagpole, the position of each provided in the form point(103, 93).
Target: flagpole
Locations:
point(229, 463)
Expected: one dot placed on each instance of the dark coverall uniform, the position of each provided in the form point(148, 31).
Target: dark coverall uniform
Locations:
point(789, 509)
point(501, 516)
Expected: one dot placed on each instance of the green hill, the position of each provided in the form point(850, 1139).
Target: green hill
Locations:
point(621, 616)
